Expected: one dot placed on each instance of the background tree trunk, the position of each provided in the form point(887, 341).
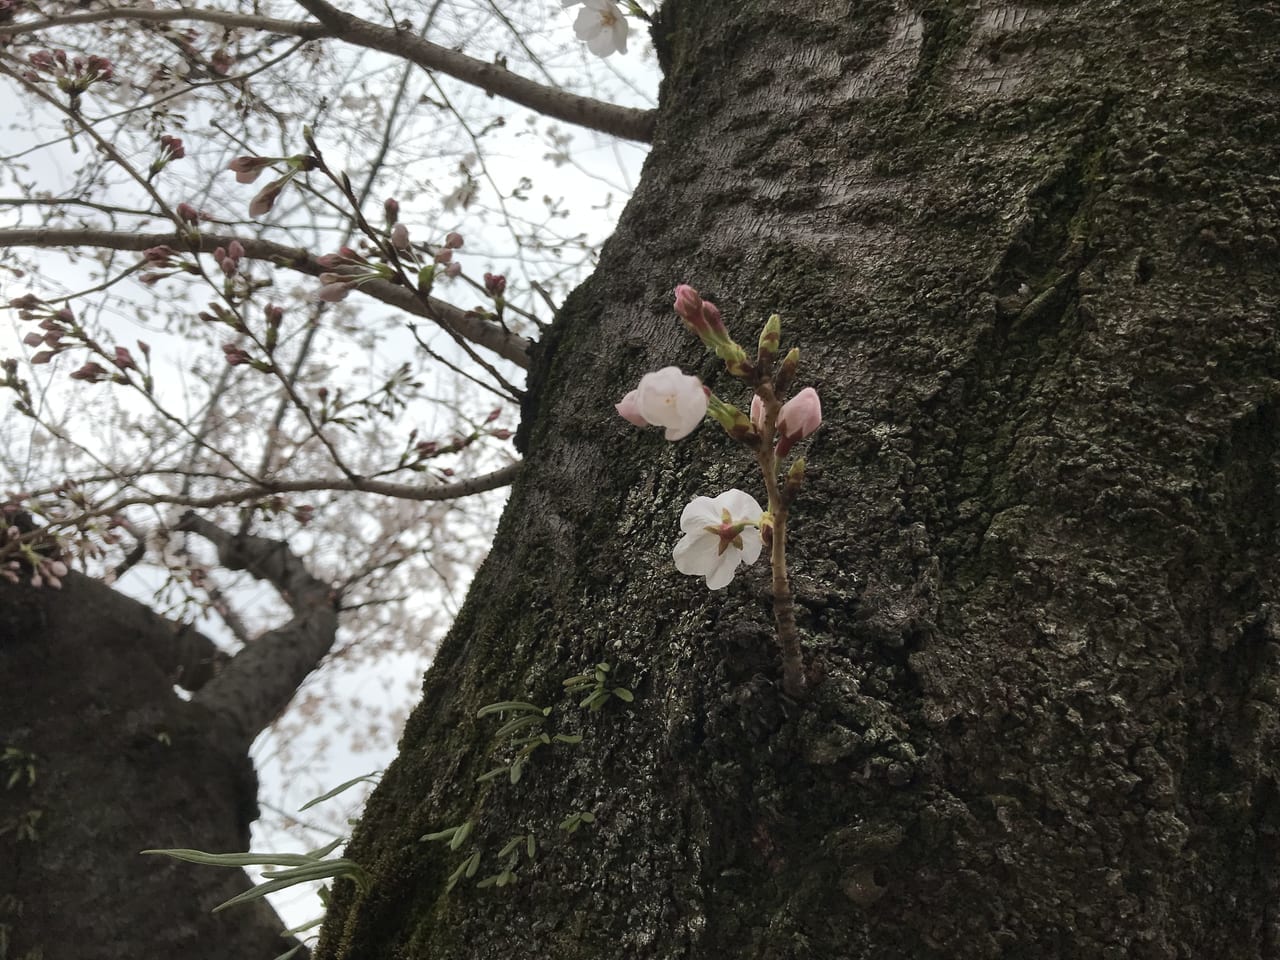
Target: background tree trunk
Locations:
point(119, 764)
point(1030, 256)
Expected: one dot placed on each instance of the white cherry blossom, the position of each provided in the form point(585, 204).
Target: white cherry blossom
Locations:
point(671, 399)
point(719, 534)
point(601, 25)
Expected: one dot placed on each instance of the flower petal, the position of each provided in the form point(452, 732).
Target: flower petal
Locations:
point(602, 43)
point(740, 504)
point(695, 554)
point(751, 545)
point(587, 24)
point(724, 569)
point(698, 513)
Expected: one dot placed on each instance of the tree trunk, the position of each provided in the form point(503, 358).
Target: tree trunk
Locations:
point(1030, 255)
point(99, 760)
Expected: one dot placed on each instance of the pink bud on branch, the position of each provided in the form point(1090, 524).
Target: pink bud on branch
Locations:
point(799, 417)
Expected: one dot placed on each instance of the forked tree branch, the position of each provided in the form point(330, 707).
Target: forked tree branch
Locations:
point(626, 122)
point(259, 681)
point(469, 326)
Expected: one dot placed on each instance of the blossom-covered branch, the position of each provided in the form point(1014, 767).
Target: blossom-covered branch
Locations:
point(626, 122)
point(730, 530)
point(469, 326)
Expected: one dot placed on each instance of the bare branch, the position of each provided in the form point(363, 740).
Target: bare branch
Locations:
point(483, 333)
point(262, 678)
point(626, 122)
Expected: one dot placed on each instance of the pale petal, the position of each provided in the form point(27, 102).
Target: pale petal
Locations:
point(700, 512)
point(602, 44)
point(696, 553)
point(724, 570)
point(629, 411)
point(740, 504)
point(682, 431)
point(751, 545)
point(620, 34)
point(587, 24)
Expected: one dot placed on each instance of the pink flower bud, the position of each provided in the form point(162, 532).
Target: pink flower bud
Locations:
point(495, 284)
point(93, 372)
point(219, 254)
point(172, 147)
point(266, 198)
point(248, 169)
point(799, 417)
point(158, 255)
point(629, 409)
point(688, 303)
point(711, 316)
point(453, 240)
point(400, 237)
point(42, 356)
point(228, 266)
point(453, 269)
point(391, 207)
point(145, 348)
point(757, 412)
point(124, 359)
point(333, 292)
point(188, 213)
point(33, 339)
point(235, 250)
point(444, 256)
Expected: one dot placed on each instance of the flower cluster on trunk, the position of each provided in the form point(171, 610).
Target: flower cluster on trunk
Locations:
point(723, 532)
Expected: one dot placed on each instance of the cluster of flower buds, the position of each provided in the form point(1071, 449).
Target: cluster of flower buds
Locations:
point(722, 532)
point(419, 450)
point(44, 570)
point(171, 149)
point(344, 270)
point(54, 324)
point(74, 75)
point(232, 352)
point(167, 260)
point(228, 258)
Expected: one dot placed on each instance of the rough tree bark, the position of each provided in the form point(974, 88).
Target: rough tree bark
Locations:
point(122, 764)
point(1030, 254)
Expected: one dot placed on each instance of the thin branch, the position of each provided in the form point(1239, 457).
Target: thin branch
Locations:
point(469, 326)
point(626, 122)
point(266, 488)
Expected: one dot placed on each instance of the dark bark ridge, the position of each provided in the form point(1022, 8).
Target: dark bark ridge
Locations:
point(1029, 255)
